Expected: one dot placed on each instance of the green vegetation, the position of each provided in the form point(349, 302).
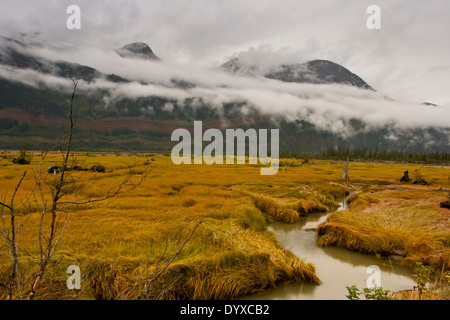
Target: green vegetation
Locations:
point(375, 293)
point(23, 157)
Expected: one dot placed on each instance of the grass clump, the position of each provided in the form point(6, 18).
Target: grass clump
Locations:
point(289, 210)
point(378, 223)
point(276, 210)
point(233, 274)
point(334, 191)
point(360, 201)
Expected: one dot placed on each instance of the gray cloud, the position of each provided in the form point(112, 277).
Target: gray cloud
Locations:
point(406, 60)
point(399, 60)
point(328, 106)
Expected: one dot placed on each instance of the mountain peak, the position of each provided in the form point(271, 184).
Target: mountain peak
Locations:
point(317, 71)
point(429, 104)
point(314, 71)
point(137, 50)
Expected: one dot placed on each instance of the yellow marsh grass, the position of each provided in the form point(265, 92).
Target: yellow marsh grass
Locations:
point(288, 212)
point(287, 204)
point(392, 222)
point(116, 242)
point(359, 201)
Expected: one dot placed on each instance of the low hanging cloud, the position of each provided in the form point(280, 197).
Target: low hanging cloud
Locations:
point(328, 106)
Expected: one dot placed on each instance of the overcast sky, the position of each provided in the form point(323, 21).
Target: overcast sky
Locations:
point(408, 59)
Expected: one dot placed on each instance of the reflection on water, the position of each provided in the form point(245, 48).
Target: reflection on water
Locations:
point(336, 267)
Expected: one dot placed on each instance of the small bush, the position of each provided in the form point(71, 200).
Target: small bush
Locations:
point(98, 168)
point(189, 203)
point(375, 293)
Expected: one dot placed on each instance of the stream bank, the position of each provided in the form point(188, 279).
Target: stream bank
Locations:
point(336, 267)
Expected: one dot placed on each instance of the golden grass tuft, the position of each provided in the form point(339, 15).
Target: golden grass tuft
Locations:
point(289, 210)
point(233, 274)
point(360, 201)
point(417, 232)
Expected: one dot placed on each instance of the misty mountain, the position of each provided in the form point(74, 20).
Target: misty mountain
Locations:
point(11, 55)
point(134, 100)
point(137, 50)
point(314, 72)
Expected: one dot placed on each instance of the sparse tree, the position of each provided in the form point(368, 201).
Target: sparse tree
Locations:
point(9, 233)
point(64, 195)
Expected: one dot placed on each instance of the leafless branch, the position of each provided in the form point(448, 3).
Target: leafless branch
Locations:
point(113, 192)
point(172, 258)
point(62, 231)
point(6, 206)
point(45, 258)
point(58, 207)
point(11, 241)
point(64, 185)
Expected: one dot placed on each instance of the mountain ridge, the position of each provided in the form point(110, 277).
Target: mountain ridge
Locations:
point(104, 116)
point(316, 71)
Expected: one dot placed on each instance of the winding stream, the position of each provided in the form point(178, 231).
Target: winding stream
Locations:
point(336, 267)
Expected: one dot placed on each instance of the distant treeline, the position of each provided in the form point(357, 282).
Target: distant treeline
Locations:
point(387, 155)
point(306, 143)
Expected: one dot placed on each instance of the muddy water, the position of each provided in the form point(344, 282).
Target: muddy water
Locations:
point(336, 267)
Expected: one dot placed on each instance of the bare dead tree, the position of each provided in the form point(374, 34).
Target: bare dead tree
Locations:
point(64, 186)
point(9, 235)
point(55, 207)
point(56, 195)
